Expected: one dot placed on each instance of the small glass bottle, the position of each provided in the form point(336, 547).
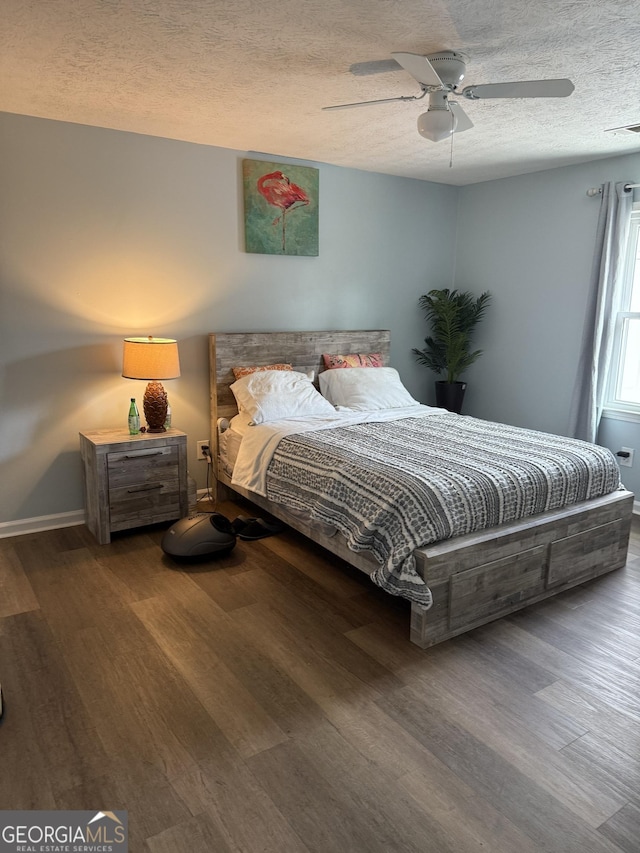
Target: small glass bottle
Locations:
point(167, 420)
point(134, 418)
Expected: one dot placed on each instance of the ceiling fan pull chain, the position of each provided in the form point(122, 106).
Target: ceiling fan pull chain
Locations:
point(451, 148)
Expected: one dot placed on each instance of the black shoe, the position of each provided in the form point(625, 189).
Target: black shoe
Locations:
point(258, 528)
point(238, 524)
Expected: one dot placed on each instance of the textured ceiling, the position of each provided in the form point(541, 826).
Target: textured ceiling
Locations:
point(253, 76)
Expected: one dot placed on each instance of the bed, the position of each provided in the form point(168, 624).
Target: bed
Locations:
point(469, 579)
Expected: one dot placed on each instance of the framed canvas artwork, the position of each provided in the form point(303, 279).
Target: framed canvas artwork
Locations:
point(280, 208)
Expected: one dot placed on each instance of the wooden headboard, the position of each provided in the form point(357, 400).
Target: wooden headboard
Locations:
point(301, 349)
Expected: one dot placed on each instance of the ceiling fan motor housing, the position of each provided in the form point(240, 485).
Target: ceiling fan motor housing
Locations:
point(439, 101)
point(450, 67)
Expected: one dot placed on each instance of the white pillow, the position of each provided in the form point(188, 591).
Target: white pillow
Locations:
point(365, 389)
point(270, 395)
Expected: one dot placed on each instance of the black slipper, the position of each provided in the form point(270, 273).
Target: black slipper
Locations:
point(259, 529)
point(238, 524)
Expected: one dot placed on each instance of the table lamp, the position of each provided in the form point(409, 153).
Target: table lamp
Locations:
point(152, 359)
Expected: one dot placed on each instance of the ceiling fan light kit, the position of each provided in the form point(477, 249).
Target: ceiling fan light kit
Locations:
point(439, 75)
point(439, 122)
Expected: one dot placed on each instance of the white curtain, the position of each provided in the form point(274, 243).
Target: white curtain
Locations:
point(608, 263)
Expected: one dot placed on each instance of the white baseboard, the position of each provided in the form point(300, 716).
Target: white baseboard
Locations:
point(51, 522)
point(41, 522)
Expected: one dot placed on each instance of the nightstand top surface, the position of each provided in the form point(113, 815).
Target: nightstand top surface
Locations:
point(111, 436)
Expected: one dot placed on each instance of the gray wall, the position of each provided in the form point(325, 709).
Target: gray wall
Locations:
point(107, 234)
point(529, 240)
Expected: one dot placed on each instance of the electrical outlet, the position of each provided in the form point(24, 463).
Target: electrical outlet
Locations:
point(201, 445)
point(628, 461)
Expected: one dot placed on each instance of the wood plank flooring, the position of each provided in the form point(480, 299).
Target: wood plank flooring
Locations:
point(270, 702)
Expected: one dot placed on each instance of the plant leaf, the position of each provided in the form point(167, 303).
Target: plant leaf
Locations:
point(453, 316)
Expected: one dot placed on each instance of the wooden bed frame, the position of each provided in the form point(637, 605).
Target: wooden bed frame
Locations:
point(474, 578)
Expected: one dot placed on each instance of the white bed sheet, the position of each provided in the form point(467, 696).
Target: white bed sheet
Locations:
point(229, 443)
point(260, 442)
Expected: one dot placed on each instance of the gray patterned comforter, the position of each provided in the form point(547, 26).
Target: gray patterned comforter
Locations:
point(392, 487)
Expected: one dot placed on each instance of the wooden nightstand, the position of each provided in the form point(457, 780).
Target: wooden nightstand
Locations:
point(132, 480)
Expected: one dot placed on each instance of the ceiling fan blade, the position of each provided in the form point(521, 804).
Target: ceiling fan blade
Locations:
point(419, 67)
point(463, 120)
point(522, 89)
point(376, 66)
point(379, 101)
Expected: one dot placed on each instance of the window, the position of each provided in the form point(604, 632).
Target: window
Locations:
point(624, 375)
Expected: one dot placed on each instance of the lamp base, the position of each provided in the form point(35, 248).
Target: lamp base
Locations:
point(155, 404)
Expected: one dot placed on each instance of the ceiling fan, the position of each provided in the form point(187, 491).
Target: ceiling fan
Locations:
point(439, 75)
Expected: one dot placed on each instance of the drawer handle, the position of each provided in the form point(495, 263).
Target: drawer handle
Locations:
point(144, 453)
point(148, 488)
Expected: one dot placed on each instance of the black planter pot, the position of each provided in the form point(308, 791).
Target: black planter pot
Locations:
point(449, 395)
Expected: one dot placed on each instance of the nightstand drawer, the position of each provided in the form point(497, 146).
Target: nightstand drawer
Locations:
point(140, 467)
point(144, 503)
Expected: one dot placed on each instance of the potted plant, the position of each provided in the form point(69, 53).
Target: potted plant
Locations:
point(453, 317)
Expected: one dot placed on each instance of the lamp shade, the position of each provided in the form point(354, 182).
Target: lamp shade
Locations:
point(150, 358)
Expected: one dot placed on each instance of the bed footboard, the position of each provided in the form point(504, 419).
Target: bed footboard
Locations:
point(481, 577)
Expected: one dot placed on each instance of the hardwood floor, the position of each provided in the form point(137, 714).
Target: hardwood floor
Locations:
point(271, 701)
